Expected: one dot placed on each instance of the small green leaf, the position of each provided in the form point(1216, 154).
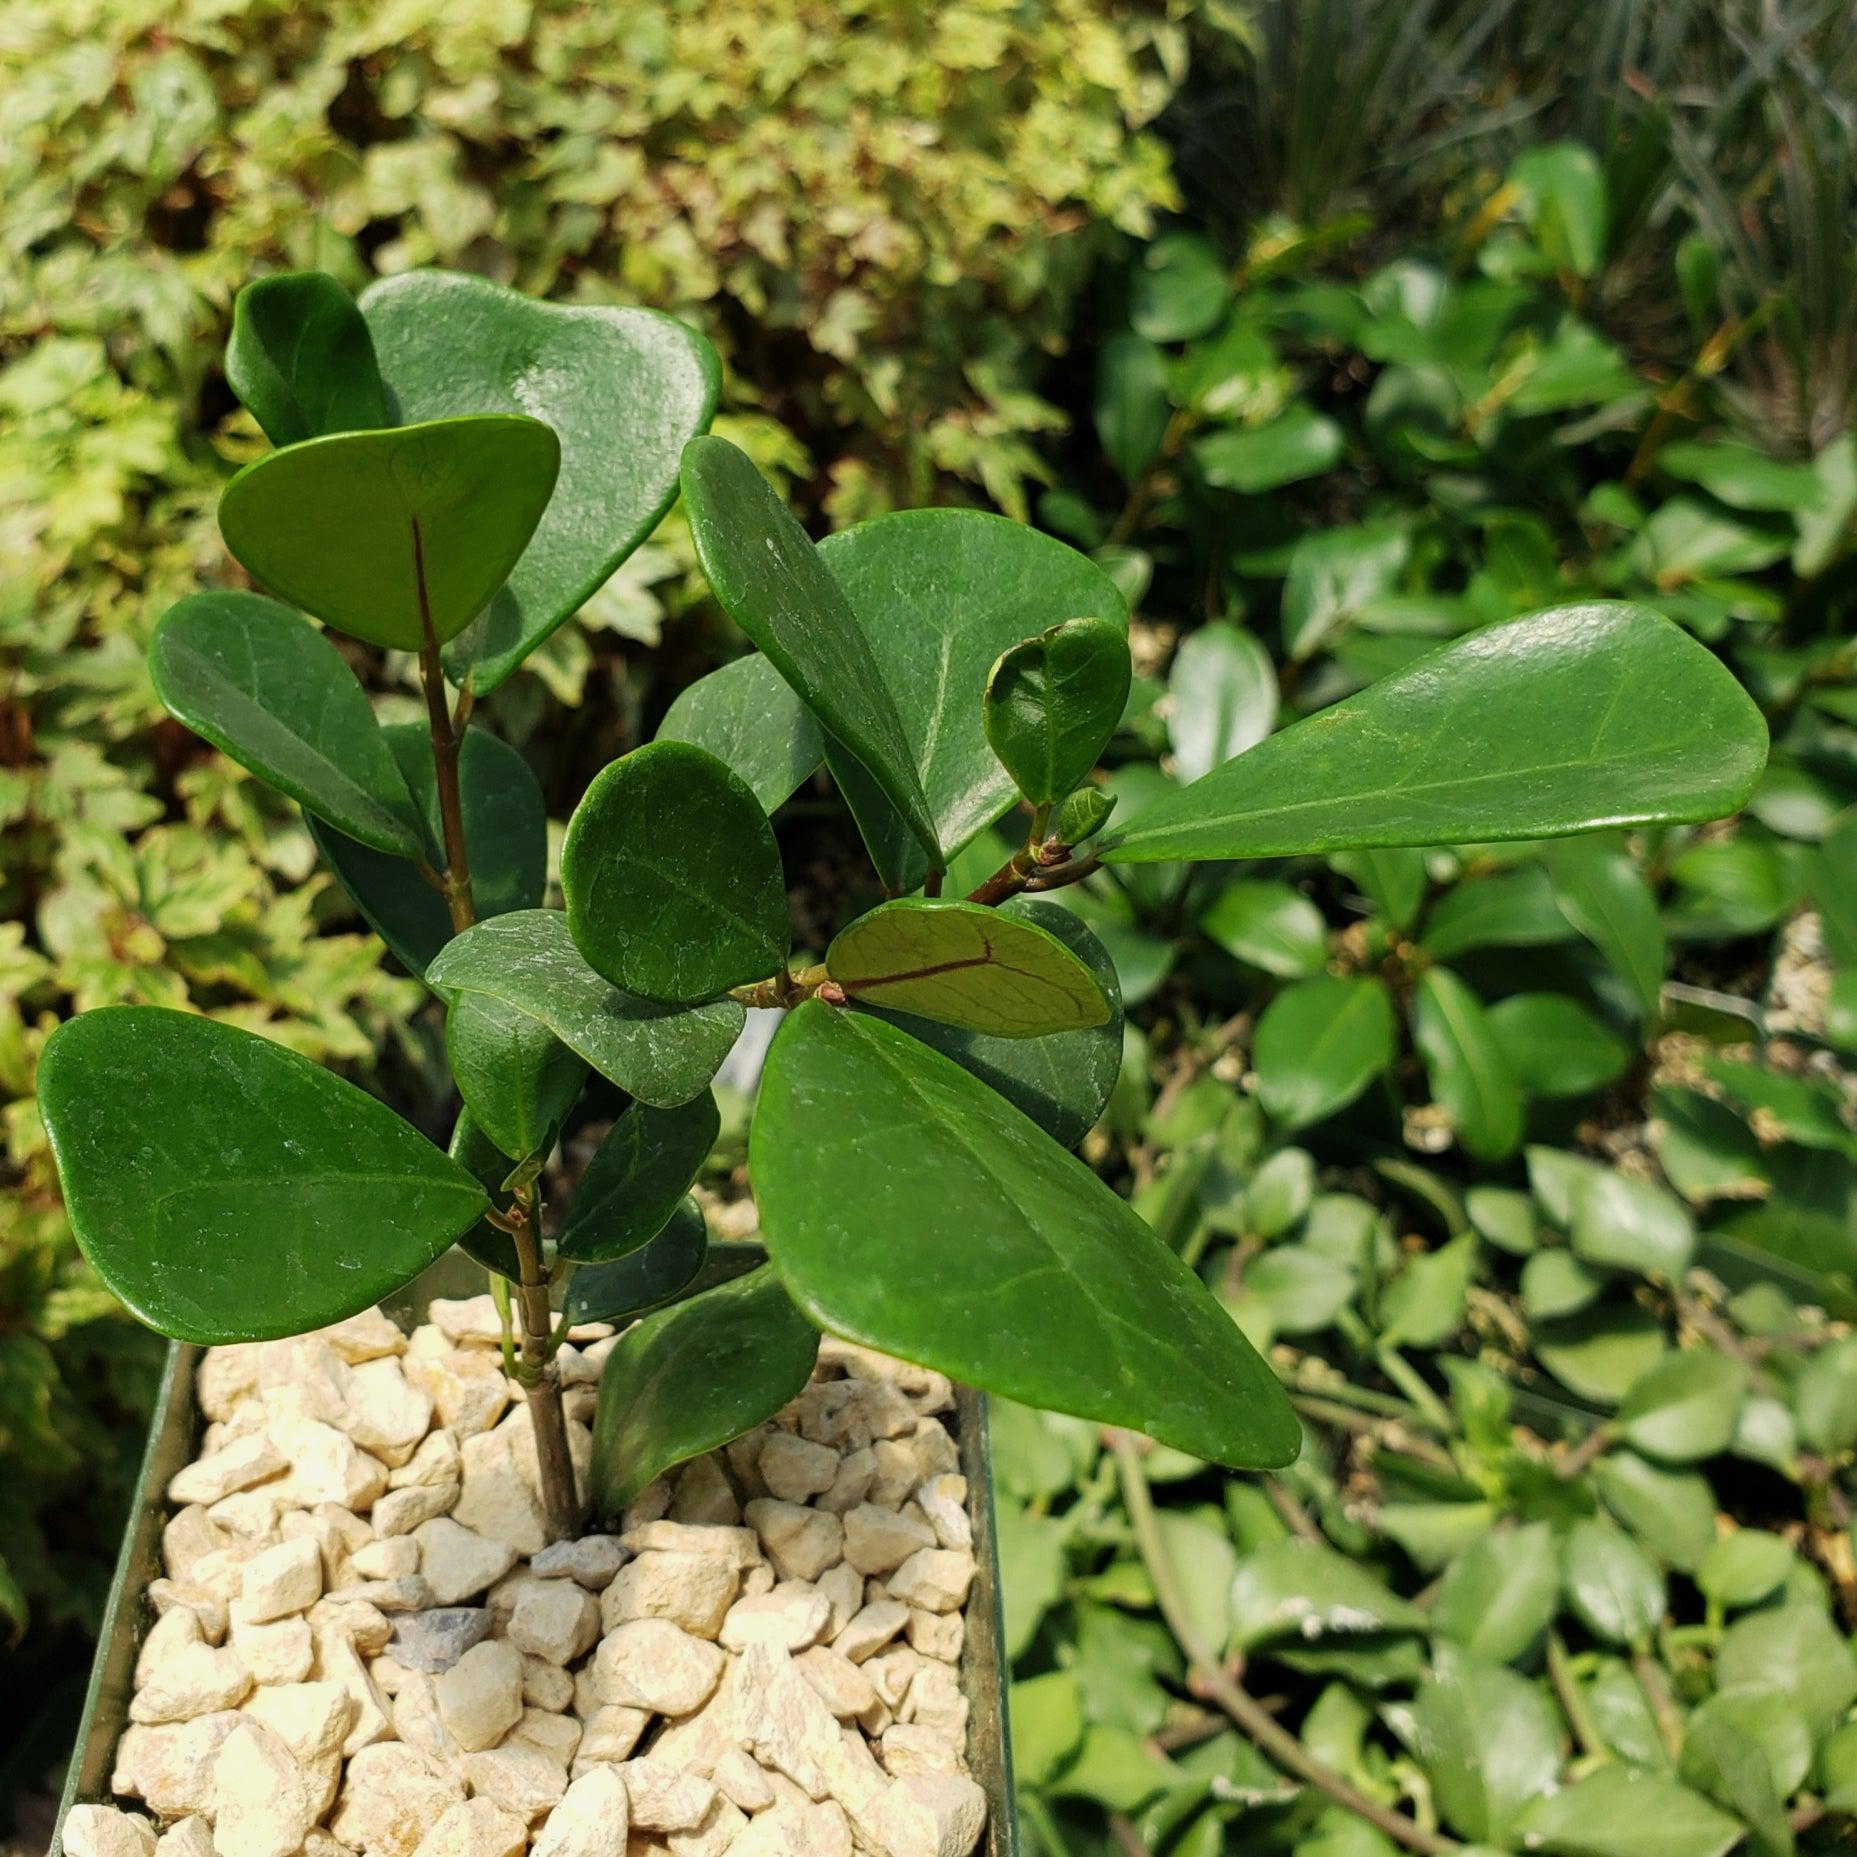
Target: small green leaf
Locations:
point(1500, 1595)
point(1132, 408)
point(301, 359)
point(1489, 1741)
point(1052, 703)
point(1684, 1408)
point(673, 880)
point(1047, 1726)
point(1474, 742)
point(1269, 925)
point(1557, 1283)
point(372, 531)
point(693, 1377)
point(1468, 1067)
point(968, 966)
point(978, 1246)
point(1319, 1044)
point(1611, 1583)
point(663, 1055)
point(637, 1178)
point(1621, 1811)
point(1741, 476)
point(1749, 1750)
point(749, 719)
point(264, 685)
point(1426, 1302)
point(1062, 1081)
point(1301, 1591)
point(505, 836)
point(1625, 1224)
point(1298, 443)
point(229, 1190)
point(517, 1079)
point(1505, 1218)
point(1599, 1352)
point(622, 389)
point(490, 1167)
point(1563, 189)
point(1744, 1568)
point(1511, 909)
point(1825, 1397)
point(1222, 697)
point(1179, 289)
point(1555, 1047)
point(678, 1261)
point(1603, 894)
point(1671, 1512)
point(1795, 1648)
point(772, 582)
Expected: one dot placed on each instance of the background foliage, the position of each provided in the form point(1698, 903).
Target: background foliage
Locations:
point(1336, 331)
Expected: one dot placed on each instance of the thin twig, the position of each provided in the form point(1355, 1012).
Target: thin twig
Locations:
point(1211, 1680)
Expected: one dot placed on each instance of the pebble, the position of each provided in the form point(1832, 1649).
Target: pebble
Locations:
point(262, 1799)
point(554, 1619)
point(477, 1828)
point(592, 1561)
point(878, 1541)
point(651, 1664)
point(693, 1591)
point(591, 1820)
point(802, 1543)
point(105, 1831)
point(480, 1696)
point(435, 1639)
point(457, 1562)
point(664, 1799)
point(521, 1778)
point(283, 1579)
point(936, 1579)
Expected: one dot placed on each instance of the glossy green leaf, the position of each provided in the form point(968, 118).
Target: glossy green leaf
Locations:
point(1749, 1750)
point(1179, 289)
point(1505, 1217)
point(1671, 1512)
point(637, 1178)
point(505, 835)
point(747, 716)
point(966, 965)
point(1489, 1741)
point(663, 1055)
point(1744, 1568)
point(1741, 476)
point(1426, 1302)
point(1604, 895)
point(1052, 703)
point(1394, 880)
point(1335, 577)
point(1304, 1591)
point(1471, 1078)
point(1500, 1595)
point(1599, 1352)
point(1563, 189)
point(1319, 1044)
point(490, 1167)
point(1047, 1726)
point(978, 1246)
point(691, 1378)
point(1062, 1081)
point(1626, 1224)
point(1611, 1584)
point(773, 583)
point(229, 1190)
point(673, 880)
point(1797, 1649)
point(622, 389)
point(1132, 408)
point(940, 593)
point(678, 1261)
point(1270, 926)
point(263, 684)
point(1477, 741)
point(1684, 1408)
point(1555, 1047)
point(1621, 1811)
point(517, 1079)
point(1512, 909)
point(1222, 697)
point(372, 531)
point(1557, 1283)
point(301, 360)
point(1298, 443)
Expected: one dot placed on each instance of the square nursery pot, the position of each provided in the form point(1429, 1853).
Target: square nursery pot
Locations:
point(173, 1436)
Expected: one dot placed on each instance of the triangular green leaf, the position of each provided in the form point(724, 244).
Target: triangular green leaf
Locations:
point(663, 1055)
point(301, 359)
point(771, 581)
point(265, 686)
point(691, 1378)
point(673, 880)
point(621, 388)
point(971, 1242)
point(1579, 718)
point(374, 532)
point(229, 1190)
point(1052, 703)
point(966, 965)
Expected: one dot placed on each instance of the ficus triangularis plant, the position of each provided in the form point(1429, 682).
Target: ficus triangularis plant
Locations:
point(456, 470)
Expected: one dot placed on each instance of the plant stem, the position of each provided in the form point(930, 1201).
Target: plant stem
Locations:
point(560, 1500)
point(1572, 1703)
point(1211, 1679)
point(1656, 1690)
point(535, 1368)
point(446, 736)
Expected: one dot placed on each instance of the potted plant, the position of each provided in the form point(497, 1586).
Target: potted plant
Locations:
point(456, 469)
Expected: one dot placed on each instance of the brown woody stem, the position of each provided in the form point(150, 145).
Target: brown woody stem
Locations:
point(537, 1371)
